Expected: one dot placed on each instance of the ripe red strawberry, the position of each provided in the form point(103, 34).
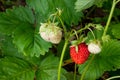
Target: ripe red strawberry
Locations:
point(80, 54)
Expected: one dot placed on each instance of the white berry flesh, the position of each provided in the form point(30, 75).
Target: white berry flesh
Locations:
point(94, 48)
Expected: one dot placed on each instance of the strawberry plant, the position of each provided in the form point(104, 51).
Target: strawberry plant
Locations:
point(38, 40)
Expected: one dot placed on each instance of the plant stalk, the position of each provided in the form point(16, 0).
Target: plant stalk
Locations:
point(61, 59)
point(114, 77)
point(75, 71)
point(110, 17)
point(64, 28)
point(117, 1)
point(92, 33)
point(86, 68)
point(79, 31)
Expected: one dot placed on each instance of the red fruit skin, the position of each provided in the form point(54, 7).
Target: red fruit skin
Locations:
point(80, 56)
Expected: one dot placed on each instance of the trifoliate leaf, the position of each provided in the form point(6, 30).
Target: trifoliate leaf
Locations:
point(108, 59)
point(48, 69)
point(83, 4)
point(116, 30)
point(12, 68)
point(44, 8)
point(19, 23)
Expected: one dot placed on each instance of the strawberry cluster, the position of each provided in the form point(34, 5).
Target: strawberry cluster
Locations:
point(80, 53)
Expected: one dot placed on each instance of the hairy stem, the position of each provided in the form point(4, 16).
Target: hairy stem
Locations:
point(61, 58)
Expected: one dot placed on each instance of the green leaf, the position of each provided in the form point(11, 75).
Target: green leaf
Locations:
point(70, 76)
point(108, 59)
point(116, 30)
point(48, 69)
point(44, 8)
point(19, 22)
point(12, 68)
point(30, 43)
point(83, 4)
point(99, 3)
point(12, 18)
point(8, 48)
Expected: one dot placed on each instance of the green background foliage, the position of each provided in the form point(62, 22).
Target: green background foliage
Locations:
point(115, 29)
point(24, 55)
point(47, 7)
point(108, 59)
point(19, 23)
point(15, 69)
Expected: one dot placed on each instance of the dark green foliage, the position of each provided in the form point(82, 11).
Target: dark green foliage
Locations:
point(44, 8)
point(48, 69)
point(115, 29)
point(15, 69)
point(24, 55)
point(19, 23)
point(108, 59)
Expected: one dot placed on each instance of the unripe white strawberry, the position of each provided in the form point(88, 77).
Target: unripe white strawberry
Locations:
point(56, 38)
point(50, 32)
point(43, 31)
point(94, 48)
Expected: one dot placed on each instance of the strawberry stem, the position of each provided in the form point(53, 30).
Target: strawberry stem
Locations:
point(86, 68)
point(79, 31)
point(114, 77)
point(61, 58)
point(64, 28)
point(92, 33)
point(75, 33)
point(54, 19)
point(75, 71)
point(110, 16)
point(117, 1)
